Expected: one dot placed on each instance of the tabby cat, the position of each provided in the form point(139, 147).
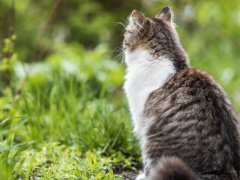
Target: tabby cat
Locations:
point(185, 123)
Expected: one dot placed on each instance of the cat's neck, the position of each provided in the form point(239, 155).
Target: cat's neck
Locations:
point(180, 58)
point(144, 75)
point(141, 57)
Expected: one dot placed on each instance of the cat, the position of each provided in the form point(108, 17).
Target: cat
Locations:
point(183, 118)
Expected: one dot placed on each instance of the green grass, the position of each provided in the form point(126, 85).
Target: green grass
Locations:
point(63, 126)
point(62, 130)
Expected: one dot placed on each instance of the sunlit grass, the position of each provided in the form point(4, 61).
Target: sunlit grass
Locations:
point(62, 125)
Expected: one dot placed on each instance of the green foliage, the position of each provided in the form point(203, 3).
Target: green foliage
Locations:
point(9, 57)
point(61, 101)
point(62, 109)
point(68, 162)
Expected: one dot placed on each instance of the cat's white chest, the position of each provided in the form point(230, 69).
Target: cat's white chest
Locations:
point(144, 75)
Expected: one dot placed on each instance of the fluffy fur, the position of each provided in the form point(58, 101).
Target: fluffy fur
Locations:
point(178, 112)
point(171, 168)
point(143, 77)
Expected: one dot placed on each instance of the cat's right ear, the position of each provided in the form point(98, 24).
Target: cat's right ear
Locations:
point(165, 14)
point(137, 19)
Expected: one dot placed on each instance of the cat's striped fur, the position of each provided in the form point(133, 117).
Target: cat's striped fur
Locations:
point(186, 125)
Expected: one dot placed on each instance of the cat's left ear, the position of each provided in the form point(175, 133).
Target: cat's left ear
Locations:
point(138, 19)
point(165, 14)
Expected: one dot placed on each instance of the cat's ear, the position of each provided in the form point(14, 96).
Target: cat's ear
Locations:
point(165, 14)
point(138, 19)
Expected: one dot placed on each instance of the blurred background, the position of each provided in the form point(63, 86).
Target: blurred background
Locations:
point(61, 76)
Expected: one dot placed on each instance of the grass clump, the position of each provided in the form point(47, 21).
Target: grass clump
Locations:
point(56, 124)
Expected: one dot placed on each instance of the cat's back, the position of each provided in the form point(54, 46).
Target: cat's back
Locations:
point(193, 120)
point(188, 86)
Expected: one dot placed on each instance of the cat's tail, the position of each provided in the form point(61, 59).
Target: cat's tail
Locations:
point(172, 168)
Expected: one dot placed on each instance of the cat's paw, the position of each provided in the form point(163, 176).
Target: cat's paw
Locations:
point(141, 177)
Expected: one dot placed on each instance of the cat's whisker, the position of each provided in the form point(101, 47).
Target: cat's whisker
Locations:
point(120, 56)
point(120, 23)
point(118, 49)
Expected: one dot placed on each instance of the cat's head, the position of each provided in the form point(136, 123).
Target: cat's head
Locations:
point(157, 36)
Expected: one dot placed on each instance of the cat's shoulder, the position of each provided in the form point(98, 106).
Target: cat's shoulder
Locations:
point(187, 82)
point(192, 77)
